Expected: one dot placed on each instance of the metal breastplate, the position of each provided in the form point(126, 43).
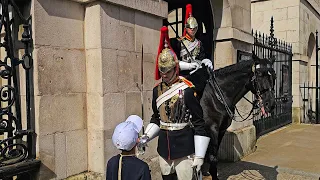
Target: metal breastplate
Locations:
point(193, 48)
point(174, 109)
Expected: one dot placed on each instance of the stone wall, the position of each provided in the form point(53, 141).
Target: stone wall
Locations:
point(87, 64)
point(114, 38)
point(60, 87)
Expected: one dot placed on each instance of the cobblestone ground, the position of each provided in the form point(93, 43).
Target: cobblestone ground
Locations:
point(251, 171)
point(290, 153)
point(244, 171)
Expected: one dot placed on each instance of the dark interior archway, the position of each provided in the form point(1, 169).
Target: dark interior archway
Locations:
point(202, 12)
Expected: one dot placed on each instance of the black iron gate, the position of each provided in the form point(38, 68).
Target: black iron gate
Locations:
point(267, 46)
point(17, 136)
point(310, 94)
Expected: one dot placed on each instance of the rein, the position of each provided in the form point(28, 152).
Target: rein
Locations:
point(220, 96)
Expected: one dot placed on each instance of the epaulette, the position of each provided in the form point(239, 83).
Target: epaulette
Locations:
point(157, 84)
point(189, 83)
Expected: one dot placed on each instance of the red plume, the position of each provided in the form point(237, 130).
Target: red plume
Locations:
point(164, 35)
point(188, 14)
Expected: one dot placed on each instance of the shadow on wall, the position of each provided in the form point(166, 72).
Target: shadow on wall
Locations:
point(45, 173)
point(246, 170)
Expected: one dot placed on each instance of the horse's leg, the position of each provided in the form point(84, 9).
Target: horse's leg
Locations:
point(213, 151)
point(223, 128)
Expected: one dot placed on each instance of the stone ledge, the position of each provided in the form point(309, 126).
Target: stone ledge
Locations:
point(155, 7)
point(87, 176)
point(228, 33)
point(237, 144)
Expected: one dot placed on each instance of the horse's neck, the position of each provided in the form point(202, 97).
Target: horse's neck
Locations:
point(234, 87)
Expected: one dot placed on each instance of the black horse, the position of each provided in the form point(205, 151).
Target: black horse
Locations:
point(233, 82)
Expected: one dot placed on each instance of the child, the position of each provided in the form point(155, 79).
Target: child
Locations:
point(126, 166)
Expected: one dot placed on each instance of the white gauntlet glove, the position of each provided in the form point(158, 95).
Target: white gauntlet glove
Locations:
point(200, 144)
point(188, 66)
point(151, 132)
point(207, 63)
point(197, 162)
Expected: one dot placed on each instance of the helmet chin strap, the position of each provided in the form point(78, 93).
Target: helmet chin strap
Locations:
point(173, 77)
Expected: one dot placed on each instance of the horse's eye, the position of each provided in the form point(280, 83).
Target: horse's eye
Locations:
point(269, 73)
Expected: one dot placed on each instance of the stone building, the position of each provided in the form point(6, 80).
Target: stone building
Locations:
point(296, 22)
point(88, 58)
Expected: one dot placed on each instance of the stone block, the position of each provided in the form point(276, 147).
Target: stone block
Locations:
point(113, 109)
point(296, 115)
point(121, 71)
point(95, 120)
point(296, 89)
point(282, 35)
point(257, 19)
point(127, 17)
point(53, 21)
point(267, 15)
point(77, 152)
point(60, 71)
point(114, 35)
point(147, 107)
point(148, 75)
point(47, 156)
point(92, 26)
point(147, 32)
point(61, 113)
point(297, 101)
point(226, 18)
point(60, 155)
point(237, 144)
point(96, 160)
point(280, 25)
point(224, 54)
point(110, 150)
point(244, 108)
point(157, 8)
point(293, 12)
point(246, 21)
point(278, 4)
point(293, 36)
point(133, 103)
point(237, 12)
point(280, 14)
point(262, 6)
point(246, 5)
point(94, 71)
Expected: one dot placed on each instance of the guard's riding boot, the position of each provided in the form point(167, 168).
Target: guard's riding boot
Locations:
point(170, 177)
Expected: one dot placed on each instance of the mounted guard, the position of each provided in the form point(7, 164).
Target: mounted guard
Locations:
point(192, 54)
point(177, 119)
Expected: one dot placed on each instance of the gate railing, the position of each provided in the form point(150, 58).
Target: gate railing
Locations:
point(17, 142)
point(309, 108)
point(280, 52)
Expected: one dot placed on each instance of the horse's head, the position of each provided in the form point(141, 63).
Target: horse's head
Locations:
point(263, 82)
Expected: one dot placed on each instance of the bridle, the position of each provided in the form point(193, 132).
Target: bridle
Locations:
point(255, 88)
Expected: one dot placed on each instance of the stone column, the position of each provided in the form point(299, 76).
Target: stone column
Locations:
point(233, 33)
point(60, 87)
point(115, 32)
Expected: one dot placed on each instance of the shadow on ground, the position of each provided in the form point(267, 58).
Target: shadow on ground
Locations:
point(246, 170)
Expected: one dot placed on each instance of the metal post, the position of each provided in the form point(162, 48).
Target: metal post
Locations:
point(317, 79)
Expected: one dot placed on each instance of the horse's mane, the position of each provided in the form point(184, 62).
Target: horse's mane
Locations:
point(243, 65)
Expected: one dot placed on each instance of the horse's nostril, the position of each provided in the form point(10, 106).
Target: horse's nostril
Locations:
point(267, 103)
